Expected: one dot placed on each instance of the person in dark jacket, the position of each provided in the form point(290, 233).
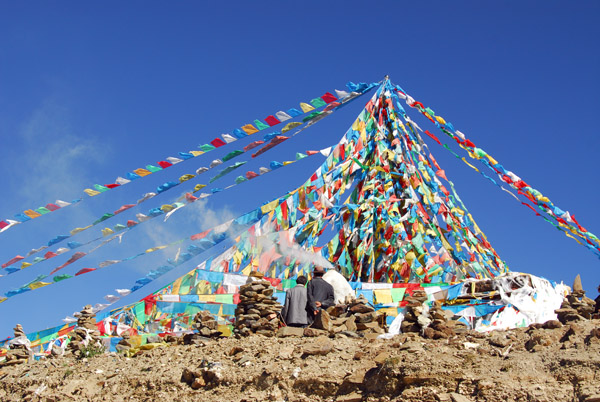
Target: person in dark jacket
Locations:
point(294, 311)
point(320, 293)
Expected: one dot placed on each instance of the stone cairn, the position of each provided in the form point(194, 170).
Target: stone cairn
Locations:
point(433, 323)
point(124, 345)
point(86, 329)
point(576, 306)
point(442, 325)
point(18, 352)
point(206, 325)
point(257, 310)
point(356, 318)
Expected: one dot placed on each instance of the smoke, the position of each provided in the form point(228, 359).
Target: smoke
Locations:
point(284, 243)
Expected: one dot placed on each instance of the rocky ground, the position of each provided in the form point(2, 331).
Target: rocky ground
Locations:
point(555, 363)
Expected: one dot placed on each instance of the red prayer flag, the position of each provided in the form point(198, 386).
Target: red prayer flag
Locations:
point(164, 164)
point(85, 271)
point(217, 142)
point(113, 185)
point(328, 97)
point(52, 207)
point(202, 235)
point(433, 136)
point(12, 261)
point(272, 121)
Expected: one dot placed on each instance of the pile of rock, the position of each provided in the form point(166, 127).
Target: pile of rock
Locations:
point(442, 325)
point(124, 345)
point(86, 332)
point(432, 323)
point(206, 325)
point(354, 319)
point(416, 317)
point(258, 308)
point(576, 306)
point(19, 351)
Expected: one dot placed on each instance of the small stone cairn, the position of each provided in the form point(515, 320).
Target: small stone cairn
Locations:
point(355, 318)
point(19, 351)
point(416, 317)
point(442, 325)
point(432, 323)
point(86, 329)
point(576, 306)
point(257, 309)
point(124, 345)
point(206, 325)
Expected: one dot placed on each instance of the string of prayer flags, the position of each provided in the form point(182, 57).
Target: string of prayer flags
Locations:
point(248, 129)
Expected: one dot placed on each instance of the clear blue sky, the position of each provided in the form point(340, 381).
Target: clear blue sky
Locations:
point(88, 93)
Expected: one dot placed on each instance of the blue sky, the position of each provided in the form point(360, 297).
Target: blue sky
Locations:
point(88, 93)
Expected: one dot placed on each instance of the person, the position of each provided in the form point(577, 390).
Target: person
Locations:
point(320, 293)
point(294, 310)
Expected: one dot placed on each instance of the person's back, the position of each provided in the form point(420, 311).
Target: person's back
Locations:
point(320, 293)
point(294, 311)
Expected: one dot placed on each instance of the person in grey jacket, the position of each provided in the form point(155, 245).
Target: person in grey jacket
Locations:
point(294, 311)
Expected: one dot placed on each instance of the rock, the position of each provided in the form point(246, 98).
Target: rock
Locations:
point(351, 397)
point(552, 324)
point(320, 347)
point(458, 397)
point(577, 287)
point(313, 332)
point(381, 358)
point(412, 347)
point(498, 339)
point(350, 323)
point(286, 351)
point(361, 308)
point(337, 311)
point(322, 321)
point(284, 332)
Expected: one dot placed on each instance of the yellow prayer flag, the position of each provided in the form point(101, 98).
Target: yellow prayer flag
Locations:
point(196, 153)
point(107, 231)
point(250, 129)
point(289, 126)
point(77, 230)
point(142, 172)
point(91, 192)
point(151, 250)
point(383, 296)
point(306, 107)
point(167, 208)
point(31, 213)
point(269, 207)
point(39, 284)
point(186, 177)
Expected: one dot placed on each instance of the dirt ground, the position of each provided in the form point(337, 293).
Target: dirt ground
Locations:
point(529, 364)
